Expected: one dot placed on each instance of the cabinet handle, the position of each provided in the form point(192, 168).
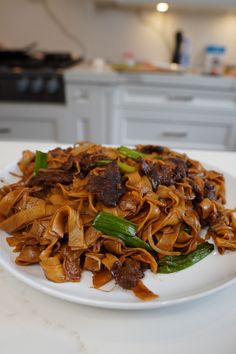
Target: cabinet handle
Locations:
point(80, 95)
point(180, 98)
point(175, 134)
point(5, 130)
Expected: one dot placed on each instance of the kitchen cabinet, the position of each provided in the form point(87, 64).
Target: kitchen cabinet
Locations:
point(205, 3)
point(86, 112)
point(178, 130)
point(32, 122)
point(201, 4)
point(180, 111)
point(179, 117)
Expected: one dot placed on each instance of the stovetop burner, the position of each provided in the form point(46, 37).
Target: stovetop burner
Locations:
point(12, 59)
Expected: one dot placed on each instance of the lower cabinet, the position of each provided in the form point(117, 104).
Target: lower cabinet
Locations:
point(87, 112)
point(179, 117)
point(32, 122)
point(122, 114)
point(37, 130)
point(178, 130)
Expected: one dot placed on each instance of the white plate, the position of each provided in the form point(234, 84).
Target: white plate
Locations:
point(212, 274)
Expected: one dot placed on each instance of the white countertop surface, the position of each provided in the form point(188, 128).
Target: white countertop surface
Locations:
point(89, 75)
point(35, 323)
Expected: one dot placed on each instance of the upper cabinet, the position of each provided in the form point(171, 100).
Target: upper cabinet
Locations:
point(187, 4)
point(210, 4)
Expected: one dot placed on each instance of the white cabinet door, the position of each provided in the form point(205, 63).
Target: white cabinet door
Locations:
point(86, 112)
point(21, 129)
point(176, 98)
point(179, 117)
point(178, 130)
point(31, 122)
point(129, 114)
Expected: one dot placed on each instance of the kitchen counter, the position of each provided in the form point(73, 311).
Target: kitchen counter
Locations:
point(32, 322)
point(88, 74)
point(91, 75)
point(178, 110)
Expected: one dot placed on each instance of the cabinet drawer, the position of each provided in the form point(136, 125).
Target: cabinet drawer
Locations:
point(179, 132)
point(38, 130)
point(148, 97)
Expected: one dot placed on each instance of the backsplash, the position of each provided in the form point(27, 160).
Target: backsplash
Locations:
point(108, 33)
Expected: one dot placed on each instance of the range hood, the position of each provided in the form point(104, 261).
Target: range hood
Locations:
point(128, 2)
point(188, 4)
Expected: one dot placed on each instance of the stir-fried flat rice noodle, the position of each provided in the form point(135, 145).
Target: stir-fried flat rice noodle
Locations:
point(169, 197)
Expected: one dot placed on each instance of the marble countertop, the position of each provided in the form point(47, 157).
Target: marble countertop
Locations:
point(32, 322)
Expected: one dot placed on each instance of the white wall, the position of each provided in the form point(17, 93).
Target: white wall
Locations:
point(108, 33)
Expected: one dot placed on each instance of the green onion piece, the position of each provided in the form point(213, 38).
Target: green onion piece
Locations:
point(124, 167)
point(171, 264)
point(41, 161)
point(115, 224)
point(103, 162)
point(187, 228)
point(133, 154)
point(123, 229)
point(158, 157)
point(133, 241)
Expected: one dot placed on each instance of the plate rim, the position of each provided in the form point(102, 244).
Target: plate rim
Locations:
point(142, 305)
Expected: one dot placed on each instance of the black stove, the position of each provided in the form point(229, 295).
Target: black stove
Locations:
point(35, 78)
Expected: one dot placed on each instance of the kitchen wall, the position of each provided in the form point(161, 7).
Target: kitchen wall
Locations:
point(109, 32)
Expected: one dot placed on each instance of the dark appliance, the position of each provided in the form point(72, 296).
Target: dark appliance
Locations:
point(33, 77)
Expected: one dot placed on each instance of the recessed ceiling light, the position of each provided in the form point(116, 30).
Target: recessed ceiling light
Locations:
point(162, 7)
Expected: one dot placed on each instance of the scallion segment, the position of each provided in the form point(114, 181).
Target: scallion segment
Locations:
point(111, 223)
point(171, 264)
point(133, 154)
point(133, 241)
point(187, 228)
point(124, 167)
point(125, 230)
point(41, 161)
point(158, 157)
point(101, 163)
